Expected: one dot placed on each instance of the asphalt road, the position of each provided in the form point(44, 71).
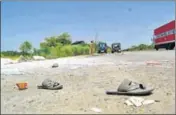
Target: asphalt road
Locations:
point(85, 80)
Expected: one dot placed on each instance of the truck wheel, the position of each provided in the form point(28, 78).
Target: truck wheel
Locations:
point(156, 48)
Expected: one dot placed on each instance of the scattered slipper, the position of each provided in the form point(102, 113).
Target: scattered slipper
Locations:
point(128, 87)
point(49, 84)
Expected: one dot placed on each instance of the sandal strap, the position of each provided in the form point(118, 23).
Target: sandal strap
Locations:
point(135, 85)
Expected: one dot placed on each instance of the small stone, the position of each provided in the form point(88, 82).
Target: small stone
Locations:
point(2, 78)
point(71, 75)
point(168, 93)
point(56, 92)
point(106, 99)
point(157, 100)
point(55, 65)
point(31, 101)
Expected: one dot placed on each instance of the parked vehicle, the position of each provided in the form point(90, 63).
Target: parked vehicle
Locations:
point(102, 47)
point(116, 47)
point(78, 43)
point(164, 36)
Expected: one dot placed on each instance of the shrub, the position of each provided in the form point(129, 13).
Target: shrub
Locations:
point(53, 53)
point(66, 51)
point(86, 50)
point(78, 50)
point(109, 50)
point(141, 47)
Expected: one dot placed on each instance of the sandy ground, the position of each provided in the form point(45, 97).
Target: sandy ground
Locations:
point(85, 80)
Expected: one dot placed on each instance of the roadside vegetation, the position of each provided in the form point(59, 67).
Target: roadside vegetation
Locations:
point(140, 47)
point(52, 47)
point(59, 46)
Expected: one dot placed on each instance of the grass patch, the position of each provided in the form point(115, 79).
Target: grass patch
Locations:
point(11, 57)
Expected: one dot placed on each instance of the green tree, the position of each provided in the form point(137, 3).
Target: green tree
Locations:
point(142, 47)
point(36, 51)
point(50, 42)
point(43, 45)
point(64, 39)
point(25, 47)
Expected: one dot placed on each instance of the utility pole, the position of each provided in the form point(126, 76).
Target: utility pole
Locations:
point(96, 37)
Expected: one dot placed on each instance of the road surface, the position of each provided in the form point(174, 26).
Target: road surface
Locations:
point(85, 80)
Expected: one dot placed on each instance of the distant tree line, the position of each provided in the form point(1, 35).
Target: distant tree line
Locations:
point(10, 53)
point(52, 47)
point(61, 46)
point(140, 47)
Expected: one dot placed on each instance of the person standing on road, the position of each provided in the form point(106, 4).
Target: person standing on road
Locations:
point(92, 48)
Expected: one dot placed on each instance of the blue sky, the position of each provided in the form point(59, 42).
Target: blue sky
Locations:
point(127, 22)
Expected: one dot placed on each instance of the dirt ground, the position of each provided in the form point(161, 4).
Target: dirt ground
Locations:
point(85, 80)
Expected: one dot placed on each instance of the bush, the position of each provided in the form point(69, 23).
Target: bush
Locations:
point(52, 47)
point(80, 50)
point(86, 50)
point(2, 55)
point(66, 51)
point(53, 53)
point(141, 47)
point(109, 50)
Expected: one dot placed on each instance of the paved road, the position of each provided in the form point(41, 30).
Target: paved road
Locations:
point(85, 86)
point(139, 56)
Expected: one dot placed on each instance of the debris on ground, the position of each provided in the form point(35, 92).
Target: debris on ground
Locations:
point(22, 59)
point(5, 61)
point(147, 102)
point(50, 84)
point(97, 110)
point(128, 102)
point(153, 63)
point(38, 58)
point(22, 85)
point(10, 71)
point(55, 65)
point(125, 63)
point(138, 101)
point(74, 67)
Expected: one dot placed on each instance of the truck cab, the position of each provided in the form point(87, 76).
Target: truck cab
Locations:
point(116, 47)
point(102, 47)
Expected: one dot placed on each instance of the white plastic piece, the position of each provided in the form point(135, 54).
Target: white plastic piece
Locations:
point(128, 102)
point(96, 110)
point(38, 58)
point(147, 102)
point(137, 101)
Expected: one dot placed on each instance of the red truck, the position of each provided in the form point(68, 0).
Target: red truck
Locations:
point(164, 36)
